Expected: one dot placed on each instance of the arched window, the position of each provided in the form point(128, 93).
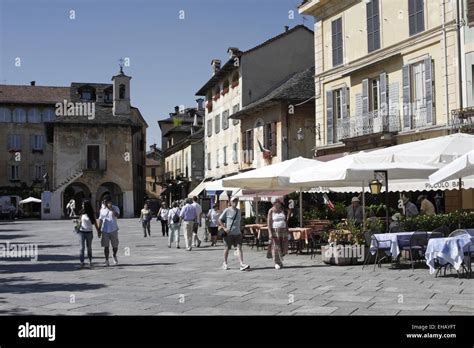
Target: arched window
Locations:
point(5, 115)
point(34, 116)
point(122, 92)
point(19, 115)
point(259, 123)
point(48, 114)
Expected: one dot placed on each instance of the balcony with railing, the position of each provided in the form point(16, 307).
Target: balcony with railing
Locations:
point(371, 123)
point(462, 120)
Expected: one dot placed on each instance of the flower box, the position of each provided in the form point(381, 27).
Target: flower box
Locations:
point(343, 255)
point(235, 83)
point(225, 91)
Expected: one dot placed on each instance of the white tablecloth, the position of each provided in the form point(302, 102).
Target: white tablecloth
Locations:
point(447, 250)
point(383, 239)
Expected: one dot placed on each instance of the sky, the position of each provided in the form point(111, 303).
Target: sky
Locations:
point(169, 43)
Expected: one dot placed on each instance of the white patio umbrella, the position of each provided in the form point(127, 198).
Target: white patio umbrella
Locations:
point(30, 200)
point(272, 177)
point(459, 168)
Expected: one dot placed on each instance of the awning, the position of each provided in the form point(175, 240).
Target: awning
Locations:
point(197, 190)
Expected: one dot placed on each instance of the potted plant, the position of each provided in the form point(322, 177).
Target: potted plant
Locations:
point(345, 245)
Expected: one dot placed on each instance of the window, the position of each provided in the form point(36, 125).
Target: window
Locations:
point(209, 161)
point(247, 146)
point(93, 157)
point(338, 104)
point(153, 172)
point(38, 172)
point(87, 93)
point(48, 114)
point(217, 158)
point(418, 86)
point(374, 95)
point(34, 116)
point(217, 123)
point(14, 172)
point(234, 153)
point(373, 25)
point(235, 109)
point(108, 95)
point(337, 51)
point(209, 128)
point(225, 155)
point(122, 92)
point(19, 115)
point(37, 142)
point(416, 16)
point(5, 115)
point(14, 142)
point(269, 137)
point(225, 119)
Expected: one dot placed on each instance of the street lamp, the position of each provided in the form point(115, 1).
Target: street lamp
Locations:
point(376, 188)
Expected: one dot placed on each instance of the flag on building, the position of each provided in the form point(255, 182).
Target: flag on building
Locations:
point(266, 153)
point(328, 202)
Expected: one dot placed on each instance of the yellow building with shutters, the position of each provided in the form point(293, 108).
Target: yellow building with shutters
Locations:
point(387, 71)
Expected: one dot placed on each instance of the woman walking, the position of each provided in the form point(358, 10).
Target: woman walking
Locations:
point(213, 218)
point(173, 218)
point(278, 233)
point(163, 217)
point(145, 218)
point(85, 231)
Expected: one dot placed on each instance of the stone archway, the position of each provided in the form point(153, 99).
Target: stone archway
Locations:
point(77, 191)
point(114, 191)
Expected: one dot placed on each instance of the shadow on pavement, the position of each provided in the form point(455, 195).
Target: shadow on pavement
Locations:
point(33, 267)
point(14, 236)
point(40, 287)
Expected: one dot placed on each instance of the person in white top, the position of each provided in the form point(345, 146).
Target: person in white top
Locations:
point(173, 218)
point(278, 233)
point(197, 223)
point(163, 217)
point(213, 221)
point(87, 221)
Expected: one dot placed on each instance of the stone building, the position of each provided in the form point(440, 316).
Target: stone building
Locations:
point(97, 153)
point(245, 78)
point(26, 154)
point(153, 172)
point(183, 151)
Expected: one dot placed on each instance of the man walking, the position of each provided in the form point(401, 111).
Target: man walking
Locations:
point(109, 229)
point(197, 224)
point(188, 217)
point(230, 223)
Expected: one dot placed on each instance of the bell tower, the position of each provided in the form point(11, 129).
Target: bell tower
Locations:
point(121, 94)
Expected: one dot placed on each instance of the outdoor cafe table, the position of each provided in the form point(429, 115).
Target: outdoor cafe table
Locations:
point(304, 233)
point(399, 240)
point(448, 250)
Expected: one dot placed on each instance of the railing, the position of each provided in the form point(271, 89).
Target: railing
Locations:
point(462, 120)
point(94, 165)
point(370, 123)
point(419, 119)
point(68, 175)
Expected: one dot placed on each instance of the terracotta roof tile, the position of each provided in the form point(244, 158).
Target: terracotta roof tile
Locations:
point(33, 94)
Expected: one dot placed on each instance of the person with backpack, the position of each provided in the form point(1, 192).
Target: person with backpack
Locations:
point(145, 218)
point(87, 221)
point(174, 225)
point(229, 222)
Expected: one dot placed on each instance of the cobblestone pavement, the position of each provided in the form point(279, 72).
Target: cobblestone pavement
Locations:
point(152, 279)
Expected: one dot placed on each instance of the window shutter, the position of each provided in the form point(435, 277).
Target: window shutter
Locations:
point(383, 95)
point(250, 145)
point(406, 97)
point(394, 107)
point(234, 152)
point(412, 16)
point(344, 101)
point(429, 90)
point(329, 117)
point(365, 97)
point(274, 138)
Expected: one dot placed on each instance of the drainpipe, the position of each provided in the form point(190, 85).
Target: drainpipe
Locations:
point(460, 69)
point(445, 48)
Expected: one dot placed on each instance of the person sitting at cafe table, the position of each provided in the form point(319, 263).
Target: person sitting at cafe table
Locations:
point(410, 208)
point(395, 225)
point(354, 211)
point(426, 207)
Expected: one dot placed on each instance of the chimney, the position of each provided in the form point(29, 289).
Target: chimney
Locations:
point(233, 51)
point(33, 83)
point(176, 110)
point(287, 28)
point(216, 65)
point(200, 104)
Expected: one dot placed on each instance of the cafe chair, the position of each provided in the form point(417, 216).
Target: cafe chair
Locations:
point(443, 229)
point(315, 242)
point(417, 246)
point(373, 245)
